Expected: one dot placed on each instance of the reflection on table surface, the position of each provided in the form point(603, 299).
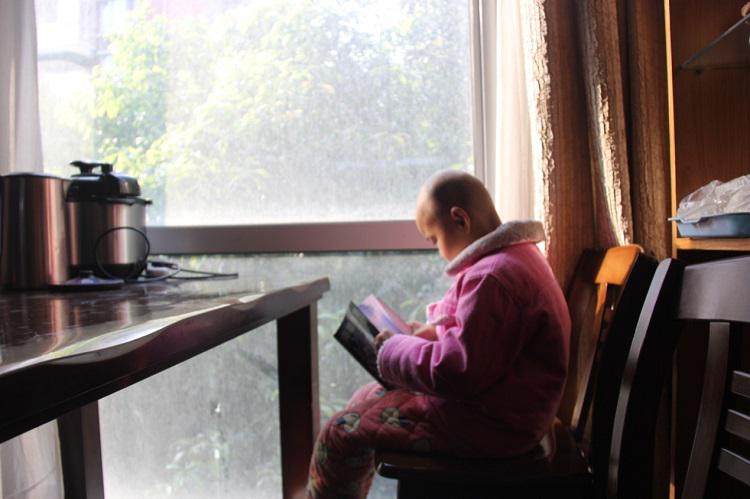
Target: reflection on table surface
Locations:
point(45, 326)
point(62, 352)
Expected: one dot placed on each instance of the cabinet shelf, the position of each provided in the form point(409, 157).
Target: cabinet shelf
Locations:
point(731, 49)
point(734, 244)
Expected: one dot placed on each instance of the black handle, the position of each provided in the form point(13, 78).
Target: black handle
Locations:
point(88, 168)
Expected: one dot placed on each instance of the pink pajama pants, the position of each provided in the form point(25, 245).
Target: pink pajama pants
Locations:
point(342, 465)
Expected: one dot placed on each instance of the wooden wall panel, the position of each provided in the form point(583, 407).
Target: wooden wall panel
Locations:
point(712, 108)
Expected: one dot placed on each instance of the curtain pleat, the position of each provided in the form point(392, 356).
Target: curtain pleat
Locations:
point(602, 78)
point(514, 186)
point(29, 463)
point(562, 144)
point(601, 113)
point(649, 137)
point(20, 133)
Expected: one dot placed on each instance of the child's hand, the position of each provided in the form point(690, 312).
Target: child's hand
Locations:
point(426, 332)
point(415, 326)
point(381, 337)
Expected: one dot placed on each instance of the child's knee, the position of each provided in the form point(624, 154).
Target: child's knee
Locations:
point(347, 433)
point(341, 425)
point(366, 392)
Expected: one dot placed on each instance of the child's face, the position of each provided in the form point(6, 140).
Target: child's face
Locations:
point(448, 239)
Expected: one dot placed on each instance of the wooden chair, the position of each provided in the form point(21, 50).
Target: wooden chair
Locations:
point(717, 294)
point(605, 299)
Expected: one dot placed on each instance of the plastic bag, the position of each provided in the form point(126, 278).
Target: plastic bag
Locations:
point(716, 198)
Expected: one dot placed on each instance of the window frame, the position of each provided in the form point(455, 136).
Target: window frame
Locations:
point(378, 235)
point(399, 235)
point(381, 235)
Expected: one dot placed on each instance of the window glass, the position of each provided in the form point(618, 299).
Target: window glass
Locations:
point(259, 111)
point(209, 427)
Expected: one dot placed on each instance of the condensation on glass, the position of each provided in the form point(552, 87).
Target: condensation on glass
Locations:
point(209, 427)
point(243, 112)
point(252, 112)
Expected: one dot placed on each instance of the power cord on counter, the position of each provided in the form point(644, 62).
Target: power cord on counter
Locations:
point(175, 269)
point(144, 263)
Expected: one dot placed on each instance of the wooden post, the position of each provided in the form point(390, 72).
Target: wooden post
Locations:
point(81, 452)
point(299, 411)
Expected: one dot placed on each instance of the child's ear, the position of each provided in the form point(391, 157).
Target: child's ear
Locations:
point(460, 217)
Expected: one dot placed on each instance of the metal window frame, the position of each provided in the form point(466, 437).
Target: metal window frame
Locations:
point(397, 235)
point(287, 238)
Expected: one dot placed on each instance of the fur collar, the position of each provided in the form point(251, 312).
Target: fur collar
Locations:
point(507, 234)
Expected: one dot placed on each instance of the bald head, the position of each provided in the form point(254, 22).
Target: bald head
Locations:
point(449, 189)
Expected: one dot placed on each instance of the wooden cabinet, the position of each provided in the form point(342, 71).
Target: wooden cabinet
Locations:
point(709, 100)
point(709, 131)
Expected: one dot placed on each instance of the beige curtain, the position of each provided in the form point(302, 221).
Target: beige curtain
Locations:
point(570, 102)
point(29, 463)
point(601, 113)
point(514, 179)
point(649, 138)
point(501, 78)
point(561, 153)
point(20, 135)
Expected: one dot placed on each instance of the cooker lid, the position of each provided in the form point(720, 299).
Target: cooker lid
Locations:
point(88, 185)
point(32, 175)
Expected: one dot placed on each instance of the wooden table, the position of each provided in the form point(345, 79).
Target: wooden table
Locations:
point(61, 352)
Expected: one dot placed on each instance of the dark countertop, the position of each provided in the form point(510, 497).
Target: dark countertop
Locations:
point(59, 350)
point(38, 327)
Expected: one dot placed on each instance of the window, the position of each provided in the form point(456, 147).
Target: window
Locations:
point(209, 427)
point(246, 112)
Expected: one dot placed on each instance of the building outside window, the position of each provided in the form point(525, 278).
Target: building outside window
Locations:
point(243, 113)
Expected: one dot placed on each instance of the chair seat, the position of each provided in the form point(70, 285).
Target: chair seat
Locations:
point(553, 462)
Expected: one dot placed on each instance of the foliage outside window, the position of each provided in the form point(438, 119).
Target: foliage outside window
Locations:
point(209, 427)
point(252, 112)
point(270, 111)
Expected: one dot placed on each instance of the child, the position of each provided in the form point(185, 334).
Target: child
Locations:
point(485, 376)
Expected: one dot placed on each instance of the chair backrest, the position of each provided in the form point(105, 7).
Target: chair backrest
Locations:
point(715, 293)
point(594, 297)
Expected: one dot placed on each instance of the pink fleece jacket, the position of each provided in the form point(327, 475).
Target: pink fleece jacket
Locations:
point(497, 369)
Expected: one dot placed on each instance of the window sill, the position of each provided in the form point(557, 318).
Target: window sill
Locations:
point(310, 237)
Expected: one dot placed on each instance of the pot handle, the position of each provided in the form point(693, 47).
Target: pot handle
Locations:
point(87, 168)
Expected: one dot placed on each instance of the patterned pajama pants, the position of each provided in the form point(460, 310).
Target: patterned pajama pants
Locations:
point(342, 465)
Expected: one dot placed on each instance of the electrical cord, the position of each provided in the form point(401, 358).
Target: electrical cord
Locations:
point(163, 277)
point(144, 262)
point(200, 274)
point(139, 265)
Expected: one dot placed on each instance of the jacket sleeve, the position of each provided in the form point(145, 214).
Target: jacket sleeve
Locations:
point(468, 357)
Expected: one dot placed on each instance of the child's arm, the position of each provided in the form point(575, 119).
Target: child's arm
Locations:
point(468, 357)
point(381, 338)
point(426, 331)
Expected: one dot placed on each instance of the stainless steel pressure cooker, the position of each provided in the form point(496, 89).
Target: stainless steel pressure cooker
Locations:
point(106, 218)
